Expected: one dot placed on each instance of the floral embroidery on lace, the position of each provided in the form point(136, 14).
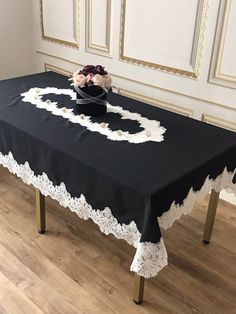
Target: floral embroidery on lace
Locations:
point(152, 129)
point(150, 258)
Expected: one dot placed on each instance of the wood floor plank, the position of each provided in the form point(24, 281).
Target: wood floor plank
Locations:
point(89, 276)
point(88, 279)
point(74, 268)
point(31, 286)
point(13, 301)
point(40, 265)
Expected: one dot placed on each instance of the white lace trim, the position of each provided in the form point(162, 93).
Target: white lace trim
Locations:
point(150, 258)
point(224, 180)
point(152, 129)
point(107, 223)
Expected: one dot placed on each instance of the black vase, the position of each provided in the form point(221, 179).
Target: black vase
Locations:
point(92, 108)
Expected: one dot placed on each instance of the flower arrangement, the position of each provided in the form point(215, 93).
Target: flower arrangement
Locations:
point(92, 84)
point(92, 75)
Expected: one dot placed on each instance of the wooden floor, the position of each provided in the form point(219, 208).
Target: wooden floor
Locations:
point(74, 268)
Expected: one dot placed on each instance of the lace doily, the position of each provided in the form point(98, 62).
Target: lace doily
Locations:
point(150, 258)
point(152, 129)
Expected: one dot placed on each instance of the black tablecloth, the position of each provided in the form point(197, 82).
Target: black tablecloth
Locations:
point(137, 182)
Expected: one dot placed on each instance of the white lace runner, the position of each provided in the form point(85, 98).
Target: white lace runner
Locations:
point(150, 258)
point(152, 129)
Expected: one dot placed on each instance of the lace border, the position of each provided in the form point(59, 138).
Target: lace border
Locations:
point(150, 258)
point(146, 251)
point(224, 180)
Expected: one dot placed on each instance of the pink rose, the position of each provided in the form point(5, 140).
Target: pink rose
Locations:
point(89, 77)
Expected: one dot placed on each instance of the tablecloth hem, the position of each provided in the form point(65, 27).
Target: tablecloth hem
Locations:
point(150, 257)
point(223, 181)
point(147, 253)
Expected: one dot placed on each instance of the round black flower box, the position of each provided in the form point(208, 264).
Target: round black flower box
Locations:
point(91, 100)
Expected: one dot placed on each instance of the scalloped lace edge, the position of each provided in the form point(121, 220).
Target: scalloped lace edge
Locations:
point(223, 181)
point(149, 258)
point(107, 223)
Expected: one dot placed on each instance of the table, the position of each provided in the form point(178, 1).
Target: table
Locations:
point(132, 171)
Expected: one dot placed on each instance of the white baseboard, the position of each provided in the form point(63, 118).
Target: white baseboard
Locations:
point(229, 197)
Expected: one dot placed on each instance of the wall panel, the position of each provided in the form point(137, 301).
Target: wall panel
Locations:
point(153, 36)
point(230, 125)
point(60, 21)
point(98, 23)
point(223, 70)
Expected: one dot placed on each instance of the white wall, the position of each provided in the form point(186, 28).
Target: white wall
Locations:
point(16, 38)
point(167, 54)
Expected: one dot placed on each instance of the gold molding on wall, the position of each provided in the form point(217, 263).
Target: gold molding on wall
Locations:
point(90, 46)
point(152, 101)
point(76, 27)
point(219, 122)
point(215, 76)
point(196, 61)
point(218, 74)
point(228, 107)
point(50, 67)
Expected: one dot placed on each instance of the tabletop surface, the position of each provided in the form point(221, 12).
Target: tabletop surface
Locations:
point(147, 167)
point(137, 182)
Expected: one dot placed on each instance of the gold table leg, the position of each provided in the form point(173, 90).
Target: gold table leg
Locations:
point(40, 212)
point(210, 219)
point(138, 289)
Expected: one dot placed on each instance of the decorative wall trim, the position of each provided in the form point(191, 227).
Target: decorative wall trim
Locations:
point(50, 67)
point(228, 107)
point(76, 27)
point(216, 77)
point(158, 103)
point(197, 46)
point(93, 47)
point(219, 122)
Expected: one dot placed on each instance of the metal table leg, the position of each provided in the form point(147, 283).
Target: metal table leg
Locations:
point(210, 219)
point(138, 289)
point(40, 212)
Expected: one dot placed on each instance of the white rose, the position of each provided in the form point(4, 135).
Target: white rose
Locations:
point(79, 79)
point(107, 81)
point(98, 80)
